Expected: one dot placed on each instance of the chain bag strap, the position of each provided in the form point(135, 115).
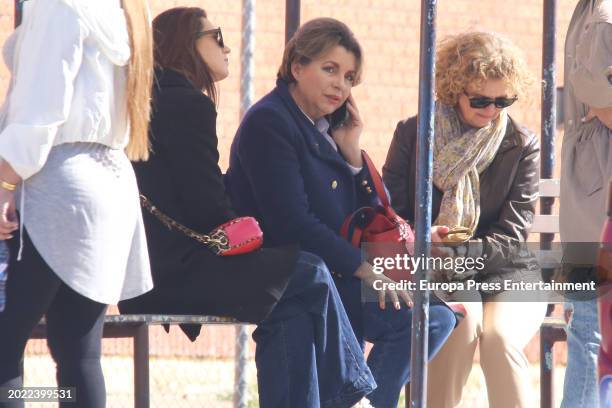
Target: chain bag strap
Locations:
point(217, 242)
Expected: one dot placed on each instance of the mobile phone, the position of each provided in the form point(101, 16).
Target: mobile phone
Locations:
point(339, 117)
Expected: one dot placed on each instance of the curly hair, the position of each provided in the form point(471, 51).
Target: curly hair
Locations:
point(472, 58)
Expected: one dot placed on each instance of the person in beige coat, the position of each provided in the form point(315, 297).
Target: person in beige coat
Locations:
point(586, 168)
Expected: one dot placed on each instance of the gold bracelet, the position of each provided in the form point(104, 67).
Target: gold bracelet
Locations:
point(7, 186)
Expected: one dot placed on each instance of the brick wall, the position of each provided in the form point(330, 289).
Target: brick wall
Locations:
point(389, 33)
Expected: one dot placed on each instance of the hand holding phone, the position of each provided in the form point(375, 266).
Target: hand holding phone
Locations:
point(346, 132)
point(339, 117)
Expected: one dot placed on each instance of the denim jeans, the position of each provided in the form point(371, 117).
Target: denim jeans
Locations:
point(389, 330)
point(583, 338)
point(307, 355)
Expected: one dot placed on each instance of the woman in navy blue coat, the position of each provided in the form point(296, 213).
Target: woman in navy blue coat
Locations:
point(302, 180)
point(306, 354)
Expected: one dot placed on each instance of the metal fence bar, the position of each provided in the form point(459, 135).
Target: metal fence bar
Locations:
point(18, 12)
point(547, 167)
point(246, 100)
point(241, 392)
point(292, 18)
point(420, 317)
point(549, 104)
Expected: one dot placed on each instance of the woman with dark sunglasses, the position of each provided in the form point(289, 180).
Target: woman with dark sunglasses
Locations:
point(307, 355)
point(485, 176)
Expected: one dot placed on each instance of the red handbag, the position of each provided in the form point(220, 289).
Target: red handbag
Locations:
point(385, 233)
point(235, 237)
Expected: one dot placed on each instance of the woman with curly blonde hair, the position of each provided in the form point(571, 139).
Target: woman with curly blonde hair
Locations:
point(485, 176)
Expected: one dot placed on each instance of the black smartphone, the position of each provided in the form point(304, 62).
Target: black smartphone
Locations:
point(339, 117)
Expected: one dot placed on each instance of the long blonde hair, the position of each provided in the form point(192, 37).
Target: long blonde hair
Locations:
point(140, 78)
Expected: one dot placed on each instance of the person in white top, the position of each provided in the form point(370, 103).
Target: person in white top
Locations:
point(76, 112)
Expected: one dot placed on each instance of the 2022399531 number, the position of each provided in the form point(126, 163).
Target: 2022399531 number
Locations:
point(38, 394)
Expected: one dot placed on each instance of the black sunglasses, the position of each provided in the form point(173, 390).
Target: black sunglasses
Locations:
point(216, 32)
point(480, 102)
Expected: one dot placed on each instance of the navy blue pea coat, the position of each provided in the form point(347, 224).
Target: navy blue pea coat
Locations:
point(285, 173)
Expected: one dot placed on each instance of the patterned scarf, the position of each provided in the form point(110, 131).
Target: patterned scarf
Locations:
point(459, 158)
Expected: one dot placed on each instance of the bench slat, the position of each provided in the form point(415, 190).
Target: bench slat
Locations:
point(545, 224)
point(554, 321)
point(550, 188)
point(168, 319)
point(152, 320)
point(549, 259)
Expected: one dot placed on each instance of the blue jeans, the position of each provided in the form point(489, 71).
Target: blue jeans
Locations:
point(583, 338)
point(307, 355)
point(389, 330)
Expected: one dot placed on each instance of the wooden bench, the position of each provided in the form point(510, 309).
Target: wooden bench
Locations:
point(553, 328)
point(137, 328)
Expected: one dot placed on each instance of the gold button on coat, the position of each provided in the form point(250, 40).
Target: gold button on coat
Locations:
point(334, 184)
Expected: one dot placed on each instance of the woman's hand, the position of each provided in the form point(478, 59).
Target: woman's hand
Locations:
point(347, 136)
point(368, 276)
point(438, 233)
point(438, 237)
point(8, 214)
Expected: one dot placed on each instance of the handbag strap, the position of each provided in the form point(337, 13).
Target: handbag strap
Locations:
point(215, 241)
point(377, 180)
point(355, 238)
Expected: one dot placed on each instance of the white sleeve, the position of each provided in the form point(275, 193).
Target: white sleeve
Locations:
point(48, 57)
point(591, 74)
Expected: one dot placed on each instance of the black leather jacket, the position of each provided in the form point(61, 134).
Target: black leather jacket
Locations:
point(508, 195)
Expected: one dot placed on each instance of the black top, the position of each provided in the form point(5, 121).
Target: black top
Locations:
point(183, 179)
